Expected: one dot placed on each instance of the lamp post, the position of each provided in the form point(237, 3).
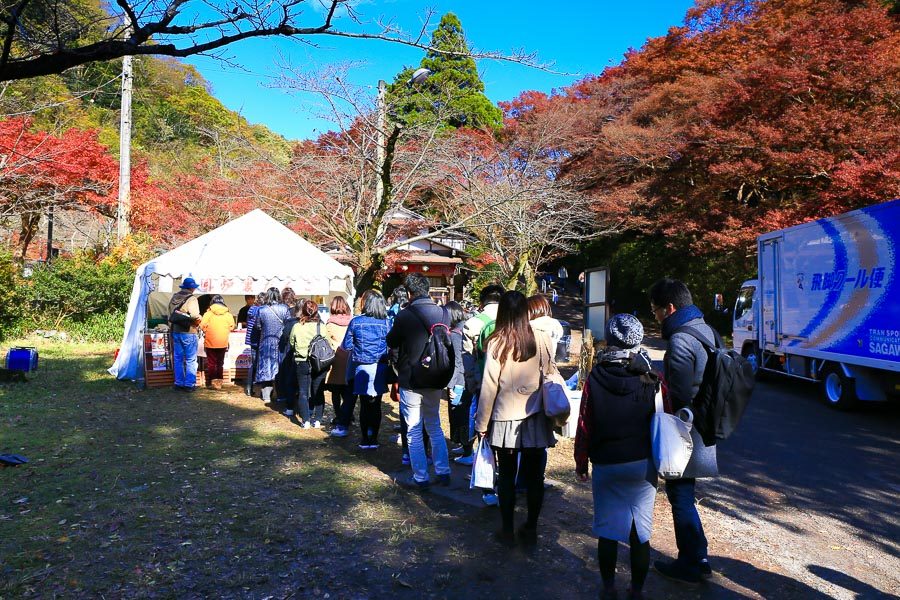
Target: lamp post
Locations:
point(418, 76)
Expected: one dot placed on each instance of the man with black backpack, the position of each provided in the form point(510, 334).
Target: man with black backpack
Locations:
point(421, 333)
point(684, 365)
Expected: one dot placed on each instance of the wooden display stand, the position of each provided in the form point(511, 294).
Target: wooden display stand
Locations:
point(159, 364)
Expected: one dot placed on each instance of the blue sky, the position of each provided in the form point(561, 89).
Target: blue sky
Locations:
point(579, 36)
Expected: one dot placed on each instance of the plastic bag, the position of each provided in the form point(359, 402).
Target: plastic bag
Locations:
point(482, 467)
point(670, 436)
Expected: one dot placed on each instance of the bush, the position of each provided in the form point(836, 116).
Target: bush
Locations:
point(98, 327)
point(73, 289)
point(83, 295)
point(12, 302)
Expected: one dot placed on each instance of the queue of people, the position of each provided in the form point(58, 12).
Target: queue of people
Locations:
point(502, 354)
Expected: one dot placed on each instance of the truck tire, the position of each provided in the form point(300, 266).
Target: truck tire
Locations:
point(838, 390)
point(753, 356)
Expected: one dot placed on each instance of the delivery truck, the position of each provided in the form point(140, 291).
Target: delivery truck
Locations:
point(825, 306)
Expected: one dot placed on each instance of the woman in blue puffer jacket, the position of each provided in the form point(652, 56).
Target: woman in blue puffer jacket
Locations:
point(366, 343)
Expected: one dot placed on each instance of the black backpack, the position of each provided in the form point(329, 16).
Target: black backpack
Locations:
point(434, 369)
point(725, 390)
point(320, 355)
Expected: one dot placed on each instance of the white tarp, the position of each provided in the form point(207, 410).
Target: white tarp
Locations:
point(245, 256)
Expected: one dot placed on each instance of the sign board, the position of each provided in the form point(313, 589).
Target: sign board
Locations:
point(596, 307)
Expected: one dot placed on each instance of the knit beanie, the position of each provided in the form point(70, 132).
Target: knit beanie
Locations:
point(624, 331)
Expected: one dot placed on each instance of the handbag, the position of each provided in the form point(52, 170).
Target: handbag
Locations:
point(320, 354)
point(482, 466)
point(181, 319)
point(553, 395)
point(670, 436)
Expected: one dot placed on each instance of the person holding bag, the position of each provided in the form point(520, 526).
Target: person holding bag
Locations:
point(614, 435)
point(510, 413)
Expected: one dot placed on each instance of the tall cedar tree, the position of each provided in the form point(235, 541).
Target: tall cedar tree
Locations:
point(454, 88)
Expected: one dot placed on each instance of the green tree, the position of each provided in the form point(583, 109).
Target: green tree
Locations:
point(453, 93)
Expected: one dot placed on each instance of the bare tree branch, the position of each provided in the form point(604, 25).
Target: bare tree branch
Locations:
point(181, 28)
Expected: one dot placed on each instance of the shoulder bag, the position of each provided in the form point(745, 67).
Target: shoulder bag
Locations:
point(553, 394)
point(182, 319)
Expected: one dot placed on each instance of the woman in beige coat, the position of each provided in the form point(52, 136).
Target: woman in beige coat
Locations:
point(510, 413)
point(342, 397)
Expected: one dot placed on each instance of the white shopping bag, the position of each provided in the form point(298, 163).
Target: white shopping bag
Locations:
point(671, 439)
point(482, 467)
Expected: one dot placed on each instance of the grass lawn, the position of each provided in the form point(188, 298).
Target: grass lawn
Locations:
point(157, 493)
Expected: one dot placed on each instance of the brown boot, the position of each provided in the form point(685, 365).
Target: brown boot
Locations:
point(217, 384)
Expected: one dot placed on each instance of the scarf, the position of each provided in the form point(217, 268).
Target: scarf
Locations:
point(679, 318)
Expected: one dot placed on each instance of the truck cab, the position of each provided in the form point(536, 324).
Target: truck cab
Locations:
point(744, 325)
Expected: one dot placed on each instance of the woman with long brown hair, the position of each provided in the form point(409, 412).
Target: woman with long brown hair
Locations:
point(341, 395)
point(510, 413)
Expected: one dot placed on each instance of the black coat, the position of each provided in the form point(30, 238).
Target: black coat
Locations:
point(623, 404)
point(409, 334)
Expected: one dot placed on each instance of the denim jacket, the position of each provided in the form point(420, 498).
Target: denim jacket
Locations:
point(365, 339)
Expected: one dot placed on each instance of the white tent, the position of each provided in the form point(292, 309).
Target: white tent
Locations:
point(245, 256)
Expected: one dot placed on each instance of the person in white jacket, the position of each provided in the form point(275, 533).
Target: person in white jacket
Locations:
point(540, 315)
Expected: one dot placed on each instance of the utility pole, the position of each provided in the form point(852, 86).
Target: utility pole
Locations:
point(49, 234)
point(124, 210)
point(380, 140)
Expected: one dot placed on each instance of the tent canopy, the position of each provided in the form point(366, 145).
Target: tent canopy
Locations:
point(245, 256)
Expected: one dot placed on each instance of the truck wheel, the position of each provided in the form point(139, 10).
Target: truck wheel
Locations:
point(751, 353)
point(838, 390)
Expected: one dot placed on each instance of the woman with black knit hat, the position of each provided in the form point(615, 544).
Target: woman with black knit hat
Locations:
point(614, 435)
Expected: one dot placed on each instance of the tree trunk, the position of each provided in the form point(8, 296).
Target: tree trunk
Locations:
point(30, 222)
point(367, 276)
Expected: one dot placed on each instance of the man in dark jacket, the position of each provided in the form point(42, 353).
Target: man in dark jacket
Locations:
point(420, 407)
point(684, 363)
point(184, 338)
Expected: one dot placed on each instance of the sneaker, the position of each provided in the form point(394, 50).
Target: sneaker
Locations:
point(373, 446)
point(490, 499)
point(306, 425)
point(405, 459)
point(338, 432)
point(411, 482)
point(444, 480)
point(288, 413)
point(464, 460)
point(363, 446)
point(705, 568)
point(458, 451)
point(317, 424)
point(677, 571)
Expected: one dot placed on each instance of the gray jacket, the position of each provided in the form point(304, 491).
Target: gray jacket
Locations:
point(683, 365)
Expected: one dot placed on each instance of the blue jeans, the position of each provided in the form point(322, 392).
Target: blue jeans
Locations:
point(184, 355)
point(421, 409)
point(689, 536)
